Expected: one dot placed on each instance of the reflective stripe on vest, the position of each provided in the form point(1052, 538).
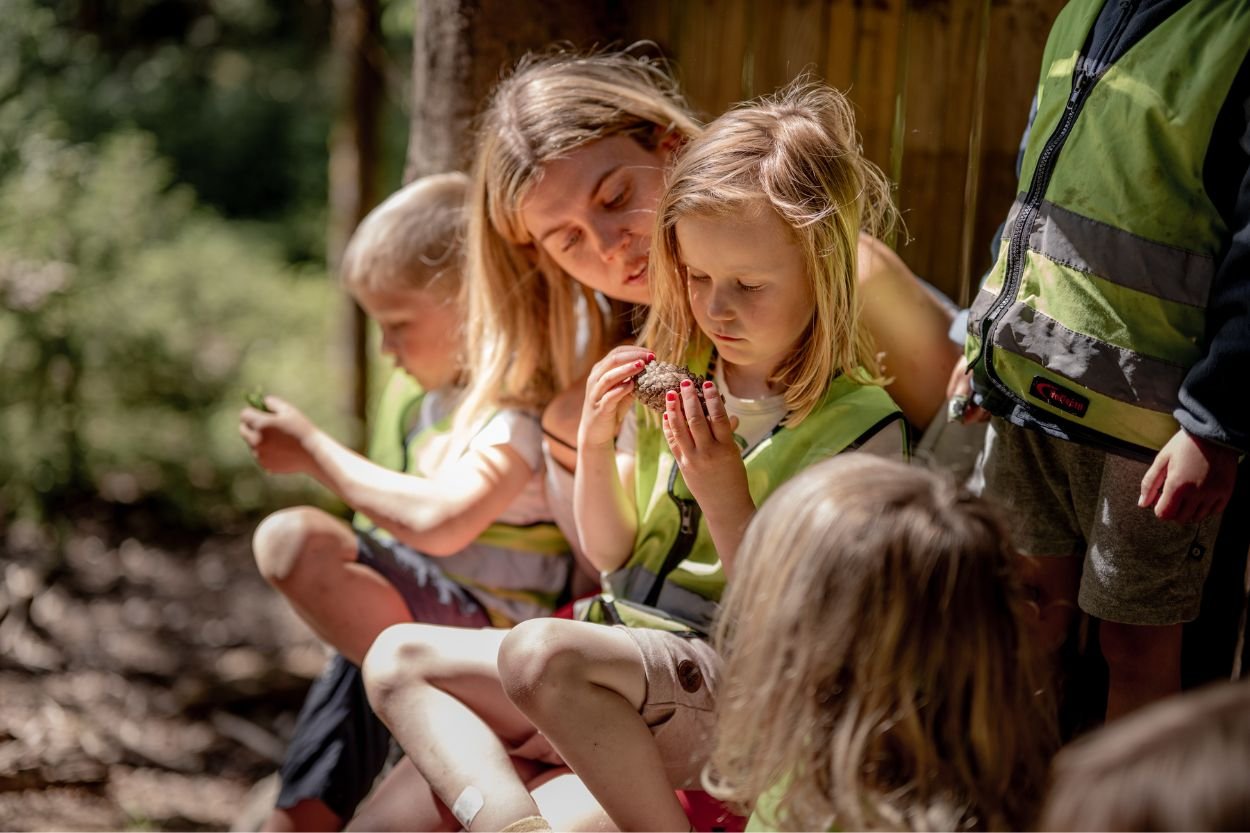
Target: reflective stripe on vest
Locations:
point(691, 592)
point(1095, 310)
point(517, 572)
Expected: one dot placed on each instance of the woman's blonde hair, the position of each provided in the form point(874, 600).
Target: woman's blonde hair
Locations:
point(796, 152)
point(523, 309)
point(878, 672)
point(1179, 764)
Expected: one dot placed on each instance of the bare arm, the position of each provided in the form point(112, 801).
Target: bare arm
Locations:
point(607, 519)
point(910, 329)
point(439, 516)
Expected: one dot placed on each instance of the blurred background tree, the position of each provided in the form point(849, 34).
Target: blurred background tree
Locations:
point(163, 184)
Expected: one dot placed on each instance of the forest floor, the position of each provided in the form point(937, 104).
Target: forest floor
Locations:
point(144, 685)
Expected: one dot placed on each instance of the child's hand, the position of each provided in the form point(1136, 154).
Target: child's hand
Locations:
point(704, 446)
point(1190, 480)
point(278, 439)
point(960, 407)
point(608, 395)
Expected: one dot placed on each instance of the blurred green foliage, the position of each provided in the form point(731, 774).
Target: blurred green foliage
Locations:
point(162, 204)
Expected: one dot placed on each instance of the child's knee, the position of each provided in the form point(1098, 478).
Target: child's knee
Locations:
point(538, 659)
point(398, 659)
point(283, 540)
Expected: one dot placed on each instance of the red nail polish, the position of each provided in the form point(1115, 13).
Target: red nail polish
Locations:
point(666, 417)
point(709, 386)
point(651, 357)
point(670, 396)
point(685, 383)
point(638, 364)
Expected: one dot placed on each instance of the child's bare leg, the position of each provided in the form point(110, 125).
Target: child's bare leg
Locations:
point(1054, 581)
point(403, 801)
point(1143, 663)
point(310, 557)
point(583, 686)
point(438, 690)
point(309, 814)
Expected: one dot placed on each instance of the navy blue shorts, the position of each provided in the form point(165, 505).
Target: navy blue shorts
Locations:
point(339, 745)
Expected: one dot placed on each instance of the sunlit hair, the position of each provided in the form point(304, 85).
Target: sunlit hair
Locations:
point(877, 665)
point(797, 153)
point(523, 309)
point(413, 240)
point(1179, 764)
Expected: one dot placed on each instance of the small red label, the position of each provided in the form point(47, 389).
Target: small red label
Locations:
point(1056, 395)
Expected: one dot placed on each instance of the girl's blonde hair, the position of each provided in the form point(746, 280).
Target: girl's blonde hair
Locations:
point(878, 670)
point(796, 152)
point(523, 309)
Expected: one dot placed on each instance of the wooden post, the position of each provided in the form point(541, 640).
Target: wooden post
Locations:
point(460, 49)
point(353, 173)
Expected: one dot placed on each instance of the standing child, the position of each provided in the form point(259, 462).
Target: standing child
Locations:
point(1109, 337)
point(754, 282)
point(877, 671)
point(451, 524)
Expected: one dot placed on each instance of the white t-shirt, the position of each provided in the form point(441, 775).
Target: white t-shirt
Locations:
point(519, 430)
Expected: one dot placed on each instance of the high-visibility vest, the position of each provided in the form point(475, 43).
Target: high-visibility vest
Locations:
point(1095, 309)
point(516, 572)
point(674, 579)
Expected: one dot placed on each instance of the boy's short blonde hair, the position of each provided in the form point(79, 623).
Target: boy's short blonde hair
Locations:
point(1179, 764)
point(413, 240)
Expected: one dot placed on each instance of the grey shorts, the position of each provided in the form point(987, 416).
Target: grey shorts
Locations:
point(1066, 499)
point(682, 680)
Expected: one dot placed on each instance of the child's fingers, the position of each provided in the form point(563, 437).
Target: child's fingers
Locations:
point(717, 417)
point(249, 434)
point(678, 427)
point(696, 421)
point(615, 376)
point(1152, 483)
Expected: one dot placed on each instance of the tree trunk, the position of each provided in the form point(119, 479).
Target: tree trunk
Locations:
point(353, 172)
point(460, 49)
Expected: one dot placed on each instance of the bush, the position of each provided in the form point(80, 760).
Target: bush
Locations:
point(134, 319)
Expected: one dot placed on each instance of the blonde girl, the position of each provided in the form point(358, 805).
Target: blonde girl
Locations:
point(877, 666)
point(754, 270)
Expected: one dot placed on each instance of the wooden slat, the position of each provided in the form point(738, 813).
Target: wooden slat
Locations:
point(955, 185)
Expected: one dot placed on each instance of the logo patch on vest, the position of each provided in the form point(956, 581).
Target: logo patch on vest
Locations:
point(1055, 395)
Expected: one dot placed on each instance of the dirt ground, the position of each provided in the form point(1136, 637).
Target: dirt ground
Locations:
point(143, 686)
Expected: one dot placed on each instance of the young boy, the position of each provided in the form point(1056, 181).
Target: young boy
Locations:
point(1110, 336)
point(451, 523)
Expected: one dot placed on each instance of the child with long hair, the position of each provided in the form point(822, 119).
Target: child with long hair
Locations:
point(877, 660)
point(754, 283)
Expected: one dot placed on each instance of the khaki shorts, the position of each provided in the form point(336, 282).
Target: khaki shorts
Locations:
point(1065, 499)
point(682, 677)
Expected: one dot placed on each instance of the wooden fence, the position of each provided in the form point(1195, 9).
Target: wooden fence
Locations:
point(941, 89)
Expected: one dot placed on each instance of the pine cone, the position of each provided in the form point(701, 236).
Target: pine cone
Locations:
point(658, 378)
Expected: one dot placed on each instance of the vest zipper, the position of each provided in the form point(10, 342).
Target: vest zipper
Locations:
point(1082, 83)
point(690, 513)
